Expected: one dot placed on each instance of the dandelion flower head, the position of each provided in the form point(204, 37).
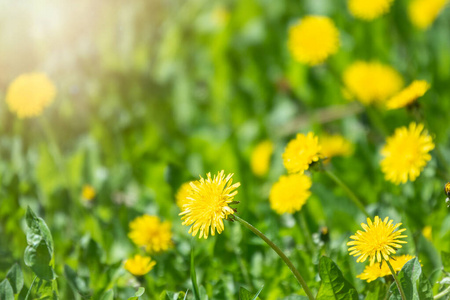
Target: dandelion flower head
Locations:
point(208, 204)
point(301, 152)
point(183, 194)
point(290, 193)
point(335, 145)
point(88, 193)
point(29, 94)
point(313, 39)
point(406, 153)
point(260, 158)
point(369, 9)
point(408, 95)
point(139, 265)
point(371, 82)
point(379, 240)
point(422, 13)
point(375, 271)
point(427, 232)
point(149, 232)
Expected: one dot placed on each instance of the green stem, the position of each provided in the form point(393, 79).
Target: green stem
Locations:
point(443, 293)
point(349, 192)
point(193, 274)
point(280, 253)
point(399, 286)
point(305, 230)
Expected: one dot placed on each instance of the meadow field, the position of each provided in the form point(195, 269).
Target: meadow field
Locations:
point(234, 149)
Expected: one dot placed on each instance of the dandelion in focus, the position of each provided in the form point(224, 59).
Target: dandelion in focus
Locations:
point(422, 13)
point(208, 204)
point(369, 9)
point(29, 94)
point(375, 271)
point(290, 193)
point(88, 193)
point(260, 158)
point(301, 152)
point(139, 265)
point(408, 95)
point(406, 153)
point(335, 145)
point(371, 82)
point(379, 240)
point(149, 232)
point(313, 39)
point(427, 232)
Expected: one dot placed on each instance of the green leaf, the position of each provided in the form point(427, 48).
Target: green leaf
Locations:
point(139, 293)
point(376, 291)
point(425, 289)
point(334, 285)
point(108, 295)
point(15, 277)
point(76, 282)
point(39, 252)
point(6, 290)
point(167, 295)
point(445, 256)
point(246, 295)
point(408, 277)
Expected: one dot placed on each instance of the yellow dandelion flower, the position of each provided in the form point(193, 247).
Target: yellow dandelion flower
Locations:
point(369, 9)
point(427, 232)
point(290, 193)
point(313, 39)
point(372, 272)
point(260, 158)
point(208, 204)
point(371, 82)
point(301, 152)
point(408, 95)
point(335, 145)
point(88, 193)
point(139, 265)
point(406, 153)
point(29, 94)
point(183, 194)
point(149, 232)
point(422, 13)
point(447, 188)
point(378, 241)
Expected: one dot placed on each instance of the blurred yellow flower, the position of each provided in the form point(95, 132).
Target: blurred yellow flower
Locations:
point(427, 232)
point(423, 12)
point(372, 272)
point(149, 232)
point(88, 193)
point(378, 241)
point(220, 15)
point(408, 95)
point(139, 265)
point(183, 194)
point(335, 145)
point(29, 94)
point(371, 82)
point(260, 158)
point(208, 203)
point(406, 153)
point(290, 193)
point(301, 152)
point(313, 39)
point(369, 9)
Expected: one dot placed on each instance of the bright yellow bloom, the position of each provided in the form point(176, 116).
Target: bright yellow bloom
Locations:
point(371, 82)
point(313, 39)
point(408, 95)
point(301, 152)
point(29, 94)
point(207, 204)
point(88, 192)
point(406, 153)
point(447, 188)
point(149, 232)
point(372, 272)
point(423, 12)
point(369, 9)
point(260, 159)
point(335, 145)
point(290, 193)
point(378, 241)
point(183, 194)
point(139, 265)
point(427, 232)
